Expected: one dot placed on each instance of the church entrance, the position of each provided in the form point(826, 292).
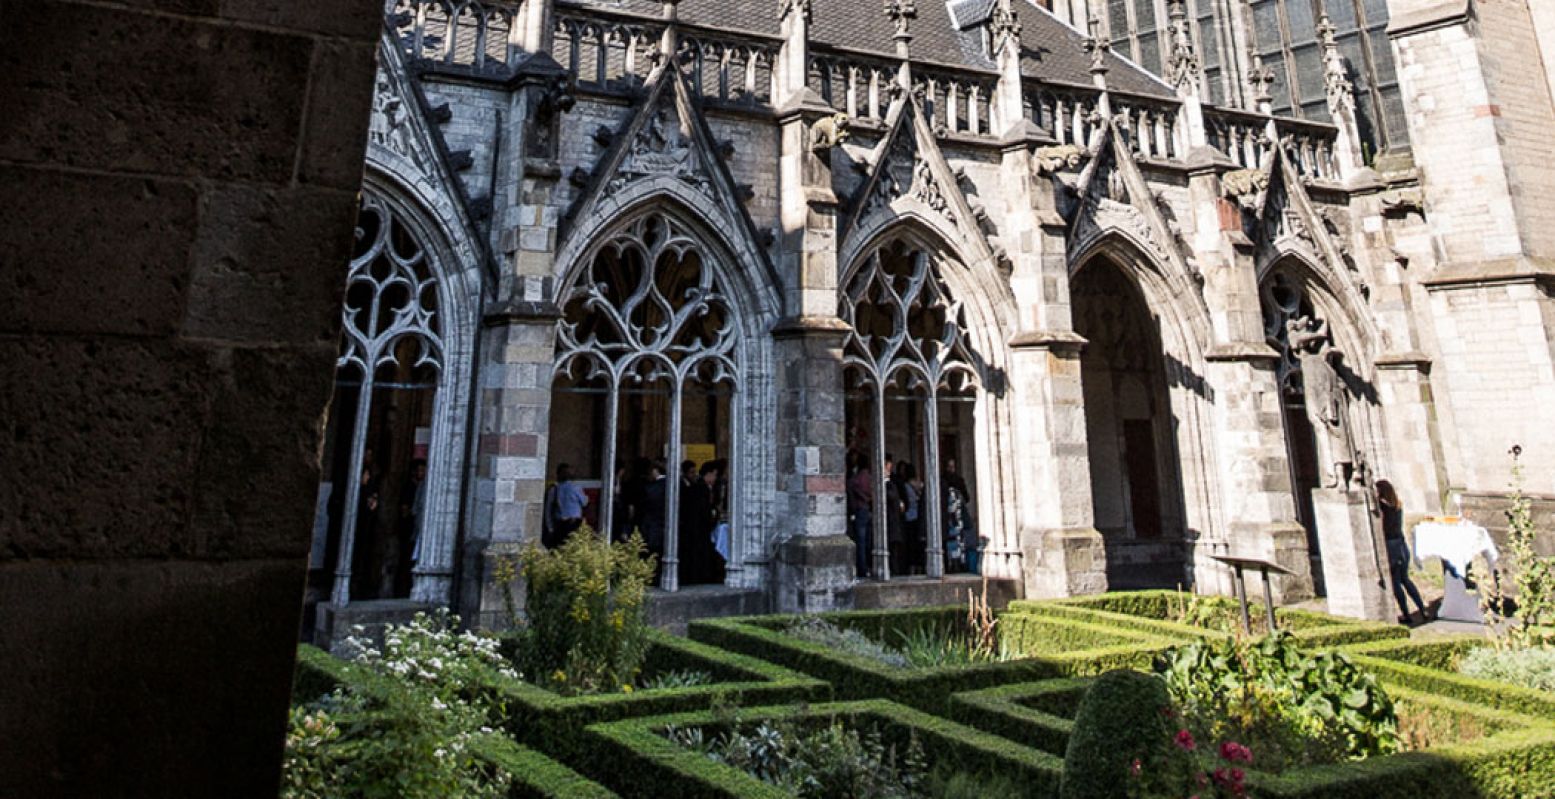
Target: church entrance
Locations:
point(642, 403)
point(913, 384)
point(1136, 489)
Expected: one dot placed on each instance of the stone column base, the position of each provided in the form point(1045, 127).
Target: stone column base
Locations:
point(1062, 562)
point(1353, 555)
point(813, 573)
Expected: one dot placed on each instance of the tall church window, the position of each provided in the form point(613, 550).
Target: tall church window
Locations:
point(912, 382)
point(647, 364)
point(380, 423)
point(1287, 37)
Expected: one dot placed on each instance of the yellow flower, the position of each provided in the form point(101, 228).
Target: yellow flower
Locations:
point(626, 689)
point(558, 676)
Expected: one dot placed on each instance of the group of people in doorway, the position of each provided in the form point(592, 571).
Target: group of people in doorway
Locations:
point(640, 501)
point(906, 517)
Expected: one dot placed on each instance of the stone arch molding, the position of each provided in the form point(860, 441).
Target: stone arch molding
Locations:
point(1112, 197)
point(403, 151)
point(666, 148)
point(908, 176)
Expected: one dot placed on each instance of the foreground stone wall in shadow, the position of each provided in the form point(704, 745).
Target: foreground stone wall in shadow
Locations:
point(179, 182)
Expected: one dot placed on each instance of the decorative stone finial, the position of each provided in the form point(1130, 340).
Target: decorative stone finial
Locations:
point(1183, 64)
point(785, 7)
point(1004, 25)
point(902, 13)
point(1261, 77)
point(1096, 46)
point(1336, 80)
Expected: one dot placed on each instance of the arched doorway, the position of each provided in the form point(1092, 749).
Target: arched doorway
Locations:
point(647, 376)
point(1131, 430)
point(914, 386)
point(379, 462)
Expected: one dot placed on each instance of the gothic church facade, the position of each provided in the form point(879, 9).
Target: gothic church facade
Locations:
point(1149, 282)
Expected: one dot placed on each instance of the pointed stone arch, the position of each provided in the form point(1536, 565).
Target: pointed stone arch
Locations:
point(1183, 332)
point(743, 360)
point(982, 316)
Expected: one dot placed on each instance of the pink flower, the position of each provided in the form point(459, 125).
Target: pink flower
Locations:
point(1235, 752)
point(1136, 767)
point(1185, 740)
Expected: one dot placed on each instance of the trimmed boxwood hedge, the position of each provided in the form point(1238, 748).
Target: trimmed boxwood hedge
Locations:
point(1145, 611)
point(1039, 714)
point(535, 776)
point(636, 758)
point(857, 677)
point(1400, 662)
point(553, 723)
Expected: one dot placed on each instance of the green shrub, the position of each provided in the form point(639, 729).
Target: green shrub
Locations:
point(1293, 708)
point(400, 721)
point(1122, 719)
point(586, 630)
point(1530, 668)
point(832, 760)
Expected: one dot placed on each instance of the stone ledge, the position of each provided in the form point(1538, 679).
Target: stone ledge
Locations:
point(810, 326)
point(1520, 269)
point(1063, 341)
point(1241, 351)
point(1402, 361)
point(1439, 14)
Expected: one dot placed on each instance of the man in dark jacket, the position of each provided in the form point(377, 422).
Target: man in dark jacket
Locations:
point(651, 516)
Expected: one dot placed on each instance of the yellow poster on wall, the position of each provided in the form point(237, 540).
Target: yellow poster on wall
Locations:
point(700, 453)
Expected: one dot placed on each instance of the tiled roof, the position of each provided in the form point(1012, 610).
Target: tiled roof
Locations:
point(1051, 50)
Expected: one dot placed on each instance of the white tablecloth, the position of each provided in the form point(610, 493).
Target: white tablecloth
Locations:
point(1456, 544)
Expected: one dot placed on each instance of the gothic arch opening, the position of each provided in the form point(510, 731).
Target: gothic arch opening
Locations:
point(915, 408)
point(391, 460)
point(648, 376)
point(1131, 429)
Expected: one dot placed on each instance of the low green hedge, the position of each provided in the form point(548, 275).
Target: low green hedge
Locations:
point(1038, 714)
point(1146, 611)
point(553, 723)
point(636, 758)
point(535, 776)
point(317, 673)
point(857, 677)
point(1399, 662)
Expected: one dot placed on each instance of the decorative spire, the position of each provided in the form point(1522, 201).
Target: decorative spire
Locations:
point(902, 13)
point(1004, 25)
point(1335, 78)
point(1261, 78)
point(1097, 47)
point(787, 6)
point(1183, 64)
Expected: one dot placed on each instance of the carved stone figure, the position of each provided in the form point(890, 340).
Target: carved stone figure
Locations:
point(1328, 400)
point(1246, 186)
point(828, 132)
point(1048, 160)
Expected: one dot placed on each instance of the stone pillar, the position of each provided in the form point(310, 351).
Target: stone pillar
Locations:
point(1478, 124)
point(171, 308)
point(1354, 560)
point(814, 567)
point(1060, 551)
point(517, 349)
point(1257, 513)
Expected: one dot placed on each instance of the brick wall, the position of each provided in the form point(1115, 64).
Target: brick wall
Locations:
point(180, 182)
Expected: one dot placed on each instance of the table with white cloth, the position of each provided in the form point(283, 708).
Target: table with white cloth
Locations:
point(1456, 543)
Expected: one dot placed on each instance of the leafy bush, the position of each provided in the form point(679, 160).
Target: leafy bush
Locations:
point(1292, 707)
point(833, 760)
point(1187, 768)
point(1122, 721)
point(1530, 668)
point(586, 629)
point(1534, 575)
point(404, 727)
point(817, 630)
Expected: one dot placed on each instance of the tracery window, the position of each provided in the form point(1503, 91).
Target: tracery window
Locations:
point(650, 331)
point(386, 381)
point(906, 356)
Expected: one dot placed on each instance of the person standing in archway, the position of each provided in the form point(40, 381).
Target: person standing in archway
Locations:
point(861, 513)
point(570, 501)
point(895, 528)
point(652, 512)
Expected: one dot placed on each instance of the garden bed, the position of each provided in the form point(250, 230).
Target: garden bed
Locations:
point(1468, 749)
point(639, 759)
point(553, 722)
point(1177, 615)
point(1057, 648)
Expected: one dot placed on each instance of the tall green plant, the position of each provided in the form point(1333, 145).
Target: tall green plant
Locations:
point(1533, 575)
point(587, 630)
